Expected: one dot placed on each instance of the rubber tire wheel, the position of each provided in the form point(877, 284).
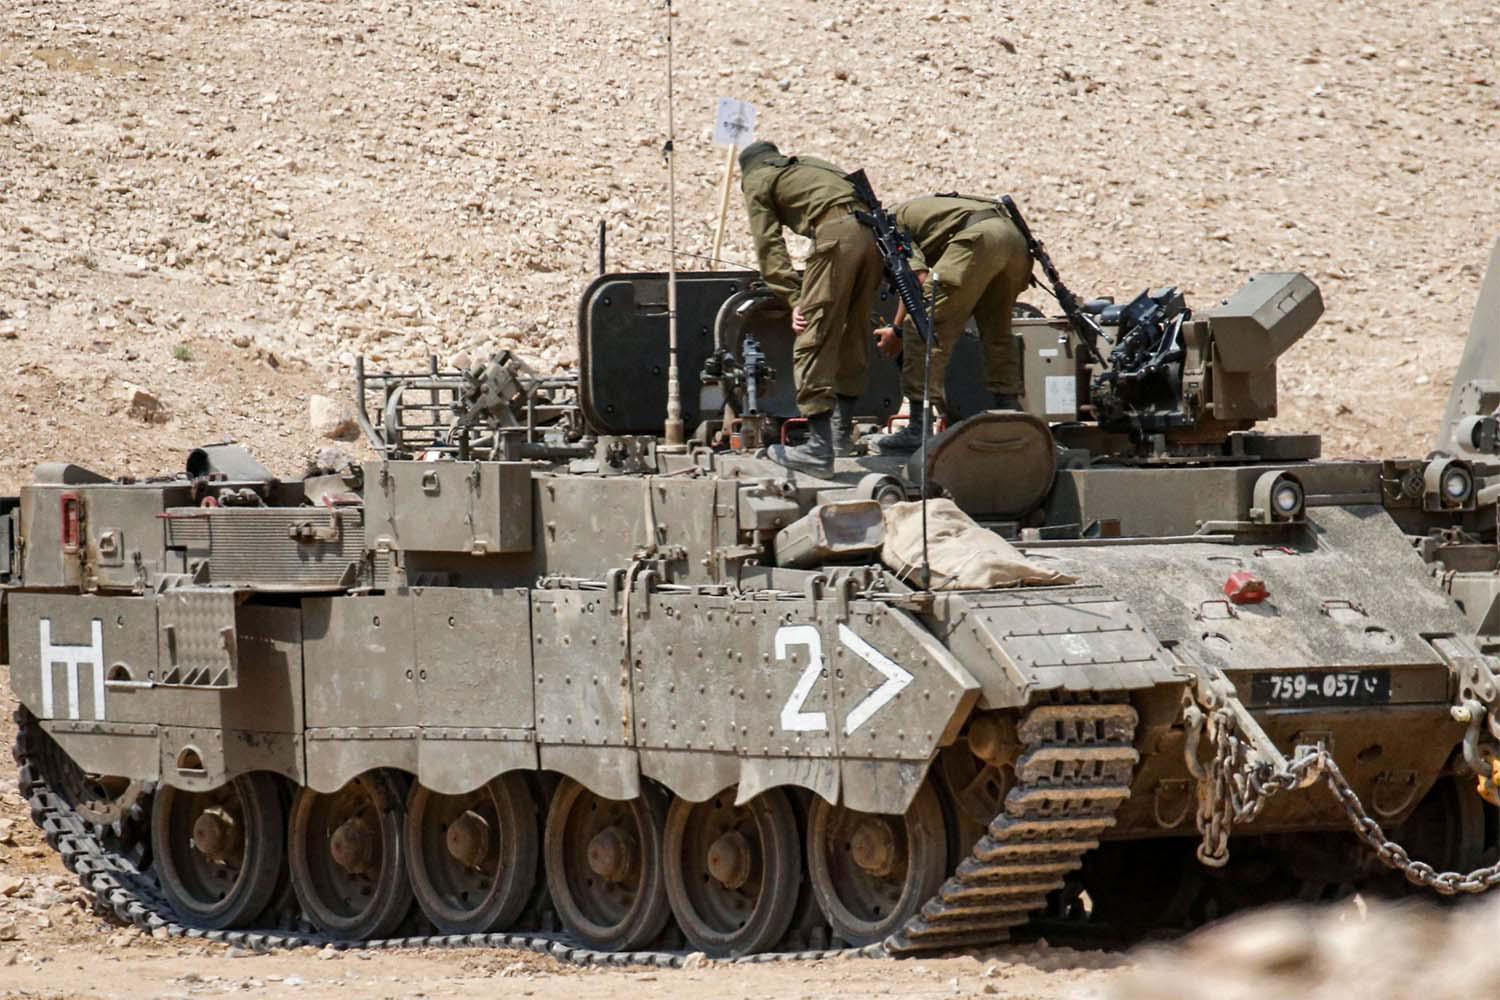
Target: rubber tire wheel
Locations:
point(927, 842)
point(781, 877)
point(264, 858)
point(392, 899)
point(649, 913)
point(520, 851)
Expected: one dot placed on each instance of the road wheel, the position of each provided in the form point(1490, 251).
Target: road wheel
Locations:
point(219, 854)
point(871, 873)
point(733, 872)
point(348, 868)
point(473, 857)
point(604, 866)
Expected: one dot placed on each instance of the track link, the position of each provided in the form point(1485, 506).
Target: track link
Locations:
point(1073, 774)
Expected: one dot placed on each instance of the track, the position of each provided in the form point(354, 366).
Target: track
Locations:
point(1073, 774)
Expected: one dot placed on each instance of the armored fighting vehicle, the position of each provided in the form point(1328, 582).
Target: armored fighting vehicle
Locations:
point(536, 673)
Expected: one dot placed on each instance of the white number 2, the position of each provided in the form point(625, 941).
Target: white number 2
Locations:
point(793, 719)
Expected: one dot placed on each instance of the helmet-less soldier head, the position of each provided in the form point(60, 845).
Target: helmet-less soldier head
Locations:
point(983, 266)
point(830, 302)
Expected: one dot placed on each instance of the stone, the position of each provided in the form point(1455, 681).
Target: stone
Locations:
point(8, 929)
point(695, 961)
point(147, 408)
point(332, 418)
point(10, 885)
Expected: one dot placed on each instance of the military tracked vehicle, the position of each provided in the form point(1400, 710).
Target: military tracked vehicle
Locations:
point(534, 673)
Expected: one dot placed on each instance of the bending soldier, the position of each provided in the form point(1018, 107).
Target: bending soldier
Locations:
point(983, 266)
point(831, 303)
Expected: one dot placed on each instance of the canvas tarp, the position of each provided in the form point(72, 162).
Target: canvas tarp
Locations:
point(964, 555)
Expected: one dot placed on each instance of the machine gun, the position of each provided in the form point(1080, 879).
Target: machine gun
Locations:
point(1088, 331)
point(895, 253)
point(738, 383)
point(1143, 387)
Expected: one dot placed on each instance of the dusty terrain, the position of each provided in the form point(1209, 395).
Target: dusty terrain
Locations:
point(220, 204)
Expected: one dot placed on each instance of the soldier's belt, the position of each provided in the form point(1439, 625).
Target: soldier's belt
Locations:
point(837, 211)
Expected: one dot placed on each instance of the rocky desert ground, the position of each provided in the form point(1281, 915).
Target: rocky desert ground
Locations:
point(208, 208)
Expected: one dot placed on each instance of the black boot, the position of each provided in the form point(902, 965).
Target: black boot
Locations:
point(1007, 401)
point(909, 438)
point(815, 455)
point(843, 427)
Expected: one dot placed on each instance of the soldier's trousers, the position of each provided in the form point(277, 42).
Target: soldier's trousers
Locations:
point(831, 357)
point(981, 273)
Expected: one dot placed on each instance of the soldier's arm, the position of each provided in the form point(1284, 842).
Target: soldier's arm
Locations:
point(770, 246)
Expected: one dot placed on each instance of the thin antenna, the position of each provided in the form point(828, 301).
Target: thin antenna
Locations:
point(926, 419)
point(676, 434)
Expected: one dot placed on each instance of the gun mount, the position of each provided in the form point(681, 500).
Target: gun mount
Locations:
point(1178, 386)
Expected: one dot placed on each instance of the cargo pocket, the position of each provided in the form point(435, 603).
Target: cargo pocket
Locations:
point(820, 279)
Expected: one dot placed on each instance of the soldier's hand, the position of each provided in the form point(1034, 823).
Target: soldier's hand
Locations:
point(888, 340)
point(799, 319)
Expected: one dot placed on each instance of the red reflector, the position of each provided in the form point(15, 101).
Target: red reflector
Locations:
point(1244, 587)
point(71, 524)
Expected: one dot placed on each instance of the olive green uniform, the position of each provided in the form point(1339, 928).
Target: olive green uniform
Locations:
point(837, 292)
point(983, 266)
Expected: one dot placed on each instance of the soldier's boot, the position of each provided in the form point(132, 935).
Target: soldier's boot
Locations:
point(909, 438)
point(815, 455)
point(1007, 401)
point(843, 427)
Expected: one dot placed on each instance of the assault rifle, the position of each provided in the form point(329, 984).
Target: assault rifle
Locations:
point(895, 253)
point(1088, 331)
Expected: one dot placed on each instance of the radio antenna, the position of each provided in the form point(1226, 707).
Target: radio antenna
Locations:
point(676, 435)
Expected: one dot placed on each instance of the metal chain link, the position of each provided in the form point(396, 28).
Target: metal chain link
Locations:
point(1237, 786)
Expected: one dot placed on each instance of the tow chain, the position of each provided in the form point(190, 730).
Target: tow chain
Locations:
point(1235, 786)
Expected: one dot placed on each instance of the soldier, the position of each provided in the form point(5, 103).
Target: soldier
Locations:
point(830, 304)
point(983, 266)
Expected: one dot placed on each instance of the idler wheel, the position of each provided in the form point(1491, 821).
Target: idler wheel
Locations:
point(473, 857)
point(604, 866)
point(219, 855)
point(871, 874)
point(733, 872)
point(347, 863)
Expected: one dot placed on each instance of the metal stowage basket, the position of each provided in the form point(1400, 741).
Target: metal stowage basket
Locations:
point(495, 411)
